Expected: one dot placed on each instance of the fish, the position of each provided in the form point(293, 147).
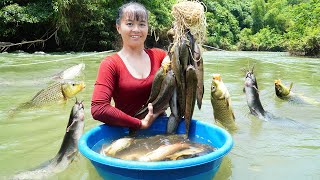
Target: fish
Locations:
point(175, 115)
point(68, 149)
point(163, 98)
point(283, 92)
point(116, 146)
point(190, 152)
point(70, 73)
point(56, 92)
point(221, 104)
point(200, 73)
point(191, 88)
point(253, 101)
point(177, 59)
point(252, 95)
point(163, 151)
point(184, 53)
point(157, 81)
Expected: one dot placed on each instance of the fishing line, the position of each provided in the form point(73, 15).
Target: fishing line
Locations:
point(57, 60)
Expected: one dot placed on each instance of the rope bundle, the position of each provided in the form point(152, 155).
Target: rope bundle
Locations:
point(189, 15)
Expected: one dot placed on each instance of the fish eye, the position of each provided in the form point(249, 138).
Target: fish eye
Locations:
point(213, 88)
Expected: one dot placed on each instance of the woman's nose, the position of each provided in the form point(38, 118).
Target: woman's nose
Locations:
point(136, 28)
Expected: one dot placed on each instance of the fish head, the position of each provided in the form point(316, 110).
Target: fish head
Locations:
point(218, 89)
point(72, 87)
point(77, 111)
point(250, 80)
point(280, 89)
point(166, 67)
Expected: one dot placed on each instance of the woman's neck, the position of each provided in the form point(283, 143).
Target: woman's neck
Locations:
point(137, 51)
point(137, 62)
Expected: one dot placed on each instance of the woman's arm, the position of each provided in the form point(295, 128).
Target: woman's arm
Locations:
point(101, 109)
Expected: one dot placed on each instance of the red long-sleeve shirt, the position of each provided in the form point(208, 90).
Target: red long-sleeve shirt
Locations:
point(129, 93)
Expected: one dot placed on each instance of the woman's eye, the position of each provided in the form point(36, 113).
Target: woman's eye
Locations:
point(129, 24)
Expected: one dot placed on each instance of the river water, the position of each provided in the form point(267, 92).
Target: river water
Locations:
point(262, 150)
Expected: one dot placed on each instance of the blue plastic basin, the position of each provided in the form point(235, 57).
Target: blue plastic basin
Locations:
point(198, 168)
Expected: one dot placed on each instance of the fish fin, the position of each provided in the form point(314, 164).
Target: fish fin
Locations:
point(256, 88)
point(290, 86)
point(37, 94)
point(233, 116)
point(72, 154)
point(69, 127)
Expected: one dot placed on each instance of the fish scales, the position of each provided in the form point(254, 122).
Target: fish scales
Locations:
point(221, 103)
point(52, 93)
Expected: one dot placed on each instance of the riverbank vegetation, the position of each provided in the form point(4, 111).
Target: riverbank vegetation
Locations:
point(89, 25)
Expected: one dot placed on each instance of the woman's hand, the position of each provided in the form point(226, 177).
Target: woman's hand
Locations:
point(150, 117)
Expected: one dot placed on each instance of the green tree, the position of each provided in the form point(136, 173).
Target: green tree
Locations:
point(258, 11)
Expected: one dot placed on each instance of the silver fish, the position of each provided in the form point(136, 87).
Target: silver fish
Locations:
point(71, 72)
point(68, 149)
point(163, 151)
point(116, 146)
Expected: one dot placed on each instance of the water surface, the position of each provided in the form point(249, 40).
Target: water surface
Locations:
point(262, 150)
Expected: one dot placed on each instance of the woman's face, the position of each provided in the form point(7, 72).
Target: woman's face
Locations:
point(133, 32)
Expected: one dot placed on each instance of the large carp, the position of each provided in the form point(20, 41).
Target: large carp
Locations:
point(68, 149)
point(285, 93)
point(221, 103)
point(57, 92)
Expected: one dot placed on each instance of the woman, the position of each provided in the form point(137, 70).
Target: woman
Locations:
point(127, 75)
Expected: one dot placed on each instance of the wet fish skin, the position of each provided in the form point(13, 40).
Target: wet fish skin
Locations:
point(281, 90)
point(175, 116)
point(192, 41)
point(163, 98)
point(56, 92)
point(191, 88)
point(200, 74)
point(184, 53)
point(178, 59)
point(67, 151)
point(116, 146)
point(163, 151)
point(70, 73)
point(252, 95)
point(255, 106)
point(285, 93)
point(192, 151)
point(156, 84)
point(221, 104)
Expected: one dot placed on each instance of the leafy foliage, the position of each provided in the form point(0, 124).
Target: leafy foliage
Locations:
point(89, 25)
